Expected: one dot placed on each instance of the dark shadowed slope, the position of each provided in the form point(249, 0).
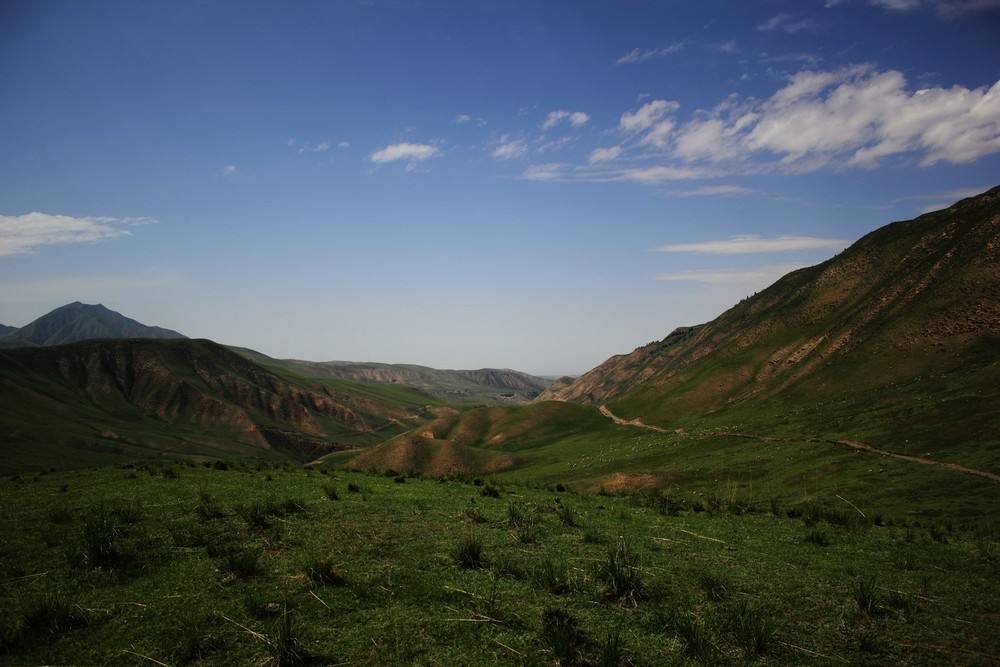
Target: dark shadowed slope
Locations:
point(98, 401)
point(485, 385)
point(6, 330)
point(80, 321)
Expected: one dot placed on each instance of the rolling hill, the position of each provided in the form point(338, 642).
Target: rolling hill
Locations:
point(79, 321)
point(485, 385)
point(100, 401)
point(483, 440)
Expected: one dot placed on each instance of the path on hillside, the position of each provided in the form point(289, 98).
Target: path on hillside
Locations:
point(854, 444)
point(629, 422)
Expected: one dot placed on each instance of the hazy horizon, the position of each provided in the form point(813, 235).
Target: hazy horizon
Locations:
point(470, 185)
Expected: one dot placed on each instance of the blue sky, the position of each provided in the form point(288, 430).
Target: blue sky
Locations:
point(467, 184)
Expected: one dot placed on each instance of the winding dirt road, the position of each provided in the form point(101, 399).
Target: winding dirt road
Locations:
point(854, 444)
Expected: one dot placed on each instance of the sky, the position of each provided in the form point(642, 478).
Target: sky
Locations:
point(532, 185)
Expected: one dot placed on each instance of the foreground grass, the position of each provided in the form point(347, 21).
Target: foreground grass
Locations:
point(281, 566)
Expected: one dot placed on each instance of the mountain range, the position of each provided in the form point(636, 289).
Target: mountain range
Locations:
point(485, 385)
point(890, 347)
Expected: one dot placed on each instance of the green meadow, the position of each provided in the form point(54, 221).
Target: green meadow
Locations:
point(260, 564)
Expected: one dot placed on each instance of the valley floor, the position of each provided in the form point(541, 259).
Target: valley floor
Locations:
point(173, 565)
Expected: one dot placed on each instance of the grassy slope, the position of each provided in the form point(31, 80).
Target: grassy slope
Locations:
point(405, 601)
point(572, 444)
point(894, 341)
point(50, 420)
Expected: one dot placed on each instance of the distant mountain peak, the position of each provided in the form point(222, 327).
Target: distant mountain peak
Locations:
point(79, 321)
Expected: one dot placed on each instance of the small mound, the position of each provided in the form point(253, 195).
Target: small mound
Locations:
point(412, 453)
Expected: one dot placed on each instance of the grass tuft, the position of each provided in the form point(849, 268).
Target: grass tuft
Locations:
point(195, 638)
point(620, 571)
point(563, 635)
point(552, 574)
point(865, 593)
point(696, 637)
point(208, 507)
point(286, 648)
point(468, 553)
point(612, 653)
point(565, 515)
point(753, 628)
point(105, 539)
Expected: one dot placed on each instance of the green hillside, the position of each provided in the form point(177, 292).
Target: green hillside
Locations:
point(893, 342)
point(105, 401)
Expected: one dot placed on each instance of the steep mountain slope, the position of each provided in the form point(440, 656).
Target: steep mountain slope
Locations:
point(485, 385)
point(80, 321)
point(100, 400)
point(907, 318)
point(6, 330)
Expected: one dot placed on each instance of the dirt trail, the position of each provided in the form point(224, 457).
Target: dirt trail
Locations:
point(854, 444)
point(630, 422)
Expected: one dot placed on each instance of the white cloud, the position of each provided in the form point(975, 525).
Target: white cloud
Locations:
point(229, 170)
point(604, 154)
point(787, 23)
point(322, 147)
point(638, 56)
point(854, 116)
point(551, 171)
point(945, 8)
point(760, 276)
point(510, 148)
point(343, 144)
point(23, 233)
point(646, 115)
point(462, 118)
point(659, 135)
point(727, 47)
point(658, 174)
point(715, 191)
point(575, 118)
point(404, 151)
point(556, 144)
point(751, 243)
point(601, 173)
